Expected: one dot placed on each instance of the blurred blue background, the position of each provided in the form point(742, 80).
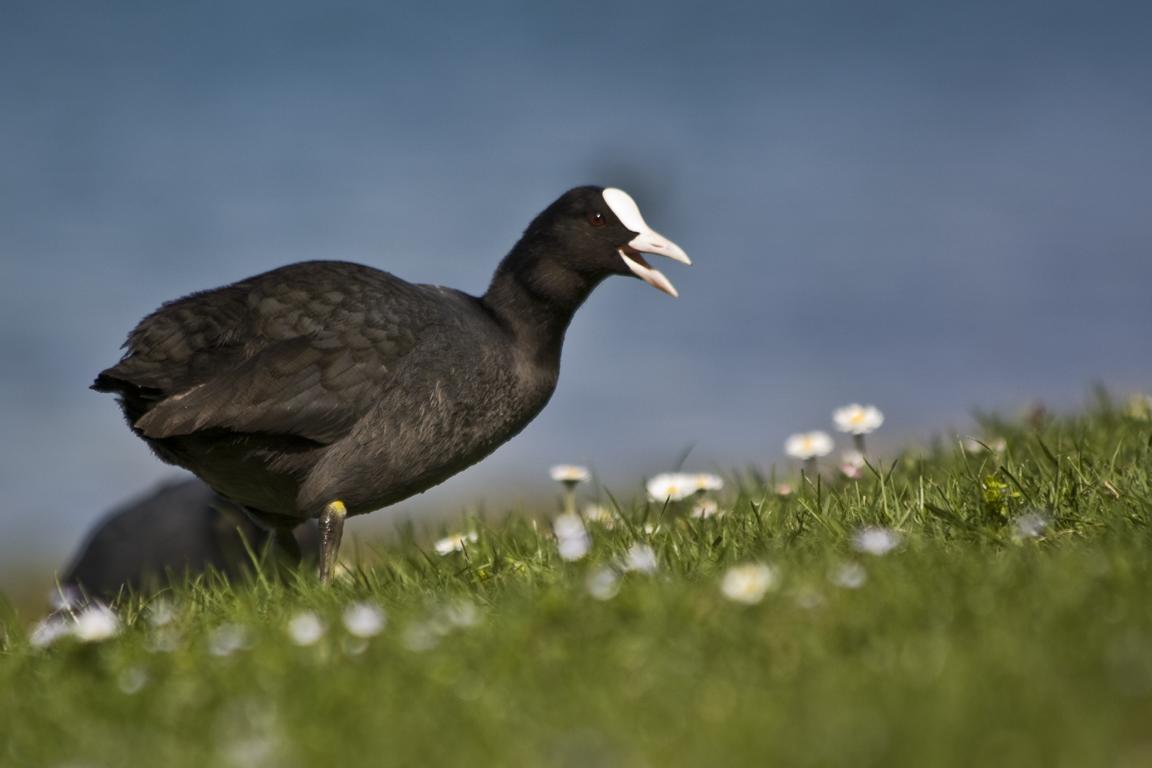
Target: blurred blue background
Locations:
point(932, 207)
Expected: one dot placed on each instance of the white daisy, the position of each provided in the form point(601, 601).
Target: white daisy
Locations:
point(96, 623)
point(364, 619)
point(876, 541)
point(671, 486)
point(132, 680)
point(305, 628)
point(602, 583)
point(420, 637)
point(640, 558)
point(572, 539)
point(570, 476)
point(161, 612)
point(461, 614)
point(1031, 525)
point(852, 464)
point(748, 583)
point(569, 473)
point(456, 542)
point(226, 639)
point(856, 419)
point(705, 481)
point(808, 445)
point(568, 526)
point(49, 630)
point(601, 515)
point(704, 509)
point(1140, 406)
point(976, 446)
point(849, 576)
point(573, 549)
point(66, 597)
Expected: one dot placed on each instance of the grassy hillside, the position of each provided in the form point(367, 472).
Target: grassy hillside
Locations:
point(1009, 622)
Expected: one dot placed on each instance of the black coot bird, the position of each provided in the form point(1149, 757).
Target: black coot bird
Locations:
point(326, 389)
point(181, 528)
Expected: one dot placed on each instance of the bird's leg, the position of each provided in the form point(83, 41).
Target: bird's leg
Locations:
point(331, 529)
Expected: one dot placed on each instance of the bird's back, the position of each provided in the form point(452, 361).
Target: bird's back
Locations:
point(280, 387)
point(324, 326)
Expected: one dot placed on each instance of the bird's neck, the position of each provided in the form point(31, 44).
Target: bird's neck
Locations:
point(534, 297)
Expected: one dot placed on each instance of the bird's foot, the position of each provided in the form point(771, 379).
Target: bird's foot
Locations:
point(331, 530)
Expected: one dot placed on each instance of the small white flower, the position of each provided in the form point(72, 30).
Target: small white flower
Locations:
point(972, 445)
point(856, 419)
point(1140, 406)
point(305, 628)
point(364, 619)
point(461, 613)
point(574, 548)
point(849, 576)
point(132, 680)
point(420, 637)
point(601, 515)
point(652, 528)
point(852, 464)
point(249, 737)
point(1031, 525)
point(456, 542)
point(603, 583)
point(671, 486)
point(96, 623)
point(640, 558)
point(49, 630)
point(705, 481)
point(783, 489)
point(876, 541)
point(568, 526)
point(676, 486)
point(161, 612)
point(446, 618)
point(66, 597)
point(572, 538)
point(976, 446)
point(569, 473)
point(704, 509)
point(808, 445)
point(226, 639)
point(748, 583)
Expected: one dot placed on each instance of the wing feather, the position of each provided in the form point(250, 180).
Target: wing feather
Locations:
point(305, 350)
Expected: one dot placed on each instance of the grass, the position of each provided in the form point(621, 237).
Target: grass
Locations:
point(970, 644)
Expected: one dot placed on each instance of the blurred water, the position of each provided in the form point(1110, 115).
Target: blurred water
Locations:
point(927, 209)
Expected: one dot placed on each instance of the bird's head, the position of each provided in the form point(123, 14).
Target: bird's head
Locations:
point(599, 231)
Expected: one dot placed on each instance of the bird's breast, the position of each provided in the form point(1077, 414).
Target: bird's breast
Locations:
point(411, 442)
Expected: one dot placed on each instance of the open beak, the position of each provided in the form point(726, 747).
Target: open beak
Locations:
point(646, 241)
point(650, 242)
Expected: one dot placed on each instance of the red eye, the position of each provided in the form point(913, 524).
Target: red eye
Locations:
point(596, 219)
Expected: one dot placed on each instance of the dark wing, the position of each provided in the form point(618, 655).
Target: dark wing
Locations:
point(304, 350)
